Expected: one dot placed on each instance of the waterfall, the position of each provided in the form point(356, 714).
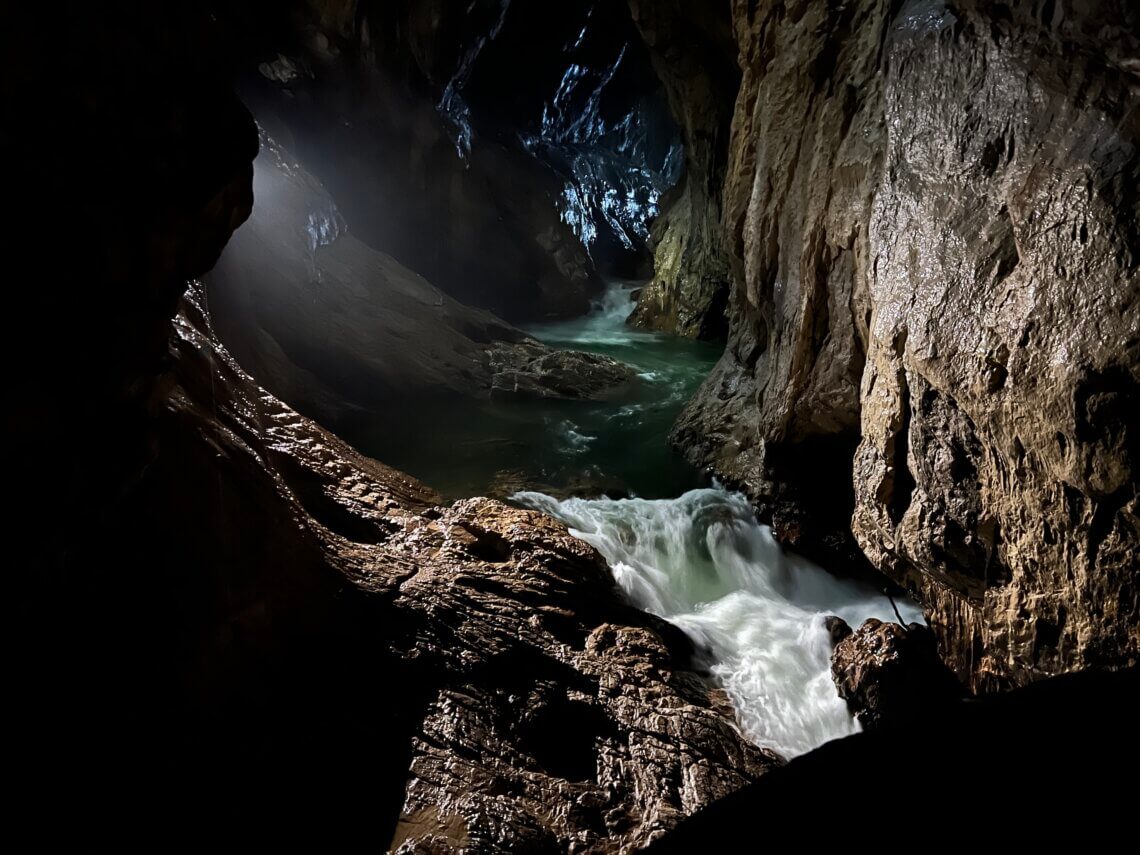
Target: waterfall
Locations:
point(754, 612)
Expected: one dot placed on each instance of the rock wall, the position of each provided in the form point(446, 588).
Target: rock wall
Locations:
point(936, 326)
point(691, 47)
point(362, 88)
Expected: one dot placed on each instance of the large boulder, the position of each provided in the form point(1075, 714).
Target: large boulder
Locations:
point(890, 674)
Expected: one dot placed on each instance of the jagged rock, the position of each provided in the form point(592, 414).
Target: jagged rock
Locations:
point(934, 336)
point(337, 328)
point(891, 675)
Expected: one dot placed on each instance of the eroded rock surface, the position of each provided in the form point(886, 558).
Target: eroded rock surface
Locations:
point(937, 322)
point(691, 48)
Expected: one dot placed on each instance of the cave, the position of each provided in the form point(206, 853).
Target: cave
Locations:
point(604, 426)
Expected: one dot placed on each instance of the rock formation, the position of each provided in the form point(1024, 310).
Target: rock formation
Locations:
point(529, 707)
point(222, 617)
point(691, 47)
point(936, 329)
point(339, 329)
point(890, 674)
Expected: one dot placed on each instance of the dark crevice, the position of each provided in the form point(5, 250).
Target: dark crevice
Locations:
point(904, 483)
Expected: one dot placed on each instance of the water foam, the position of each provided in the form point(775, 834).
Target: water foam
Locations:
point(755, 612)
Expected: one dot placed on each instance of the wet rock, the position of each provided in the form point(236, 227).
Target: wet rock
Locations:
point(934, 334)
point(891, 675)
point(837, 628)
point(532, 370)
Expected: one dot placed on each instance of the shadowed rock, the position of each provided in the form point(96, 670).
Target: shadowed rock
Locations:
point(891, 675)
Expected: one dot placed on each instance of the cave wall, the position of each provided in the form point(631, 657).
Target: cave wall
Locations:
point(691, 46)
point(936, 313)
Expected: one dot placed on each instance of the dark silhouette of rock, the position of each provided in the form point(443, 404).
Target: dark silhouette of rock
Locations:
point(995, 762)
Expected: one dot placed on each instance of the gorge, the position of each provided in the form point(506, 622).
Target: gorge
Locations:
point(486, 426)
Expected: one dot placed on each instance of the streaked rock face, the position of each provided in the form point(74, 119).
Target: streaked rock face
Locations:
point(936, 213)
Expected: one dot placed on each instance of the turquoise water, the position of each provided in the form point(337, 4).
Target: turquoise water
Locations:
point(585, 448)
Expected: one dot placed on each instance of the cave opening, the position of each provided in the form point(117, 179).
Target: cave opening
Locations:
point(457, 210)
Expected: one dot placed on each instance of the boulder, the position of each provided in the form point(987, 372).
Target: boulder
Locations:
point(890, 674)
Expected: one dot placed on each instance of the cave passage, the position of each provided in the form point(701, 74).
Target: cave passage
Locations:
point(450, 288)
point(488, 426)
point(694, 555)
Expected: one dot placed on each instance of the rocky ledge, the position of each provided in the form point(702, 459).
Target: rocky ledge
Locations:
point(530, 709)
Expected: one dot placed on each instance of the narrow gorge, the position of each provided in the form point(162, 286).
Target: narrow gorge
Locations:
point(490, 426)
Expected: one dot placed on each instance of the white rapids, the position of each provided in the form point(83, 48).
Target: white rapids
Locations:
point(755, 613)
